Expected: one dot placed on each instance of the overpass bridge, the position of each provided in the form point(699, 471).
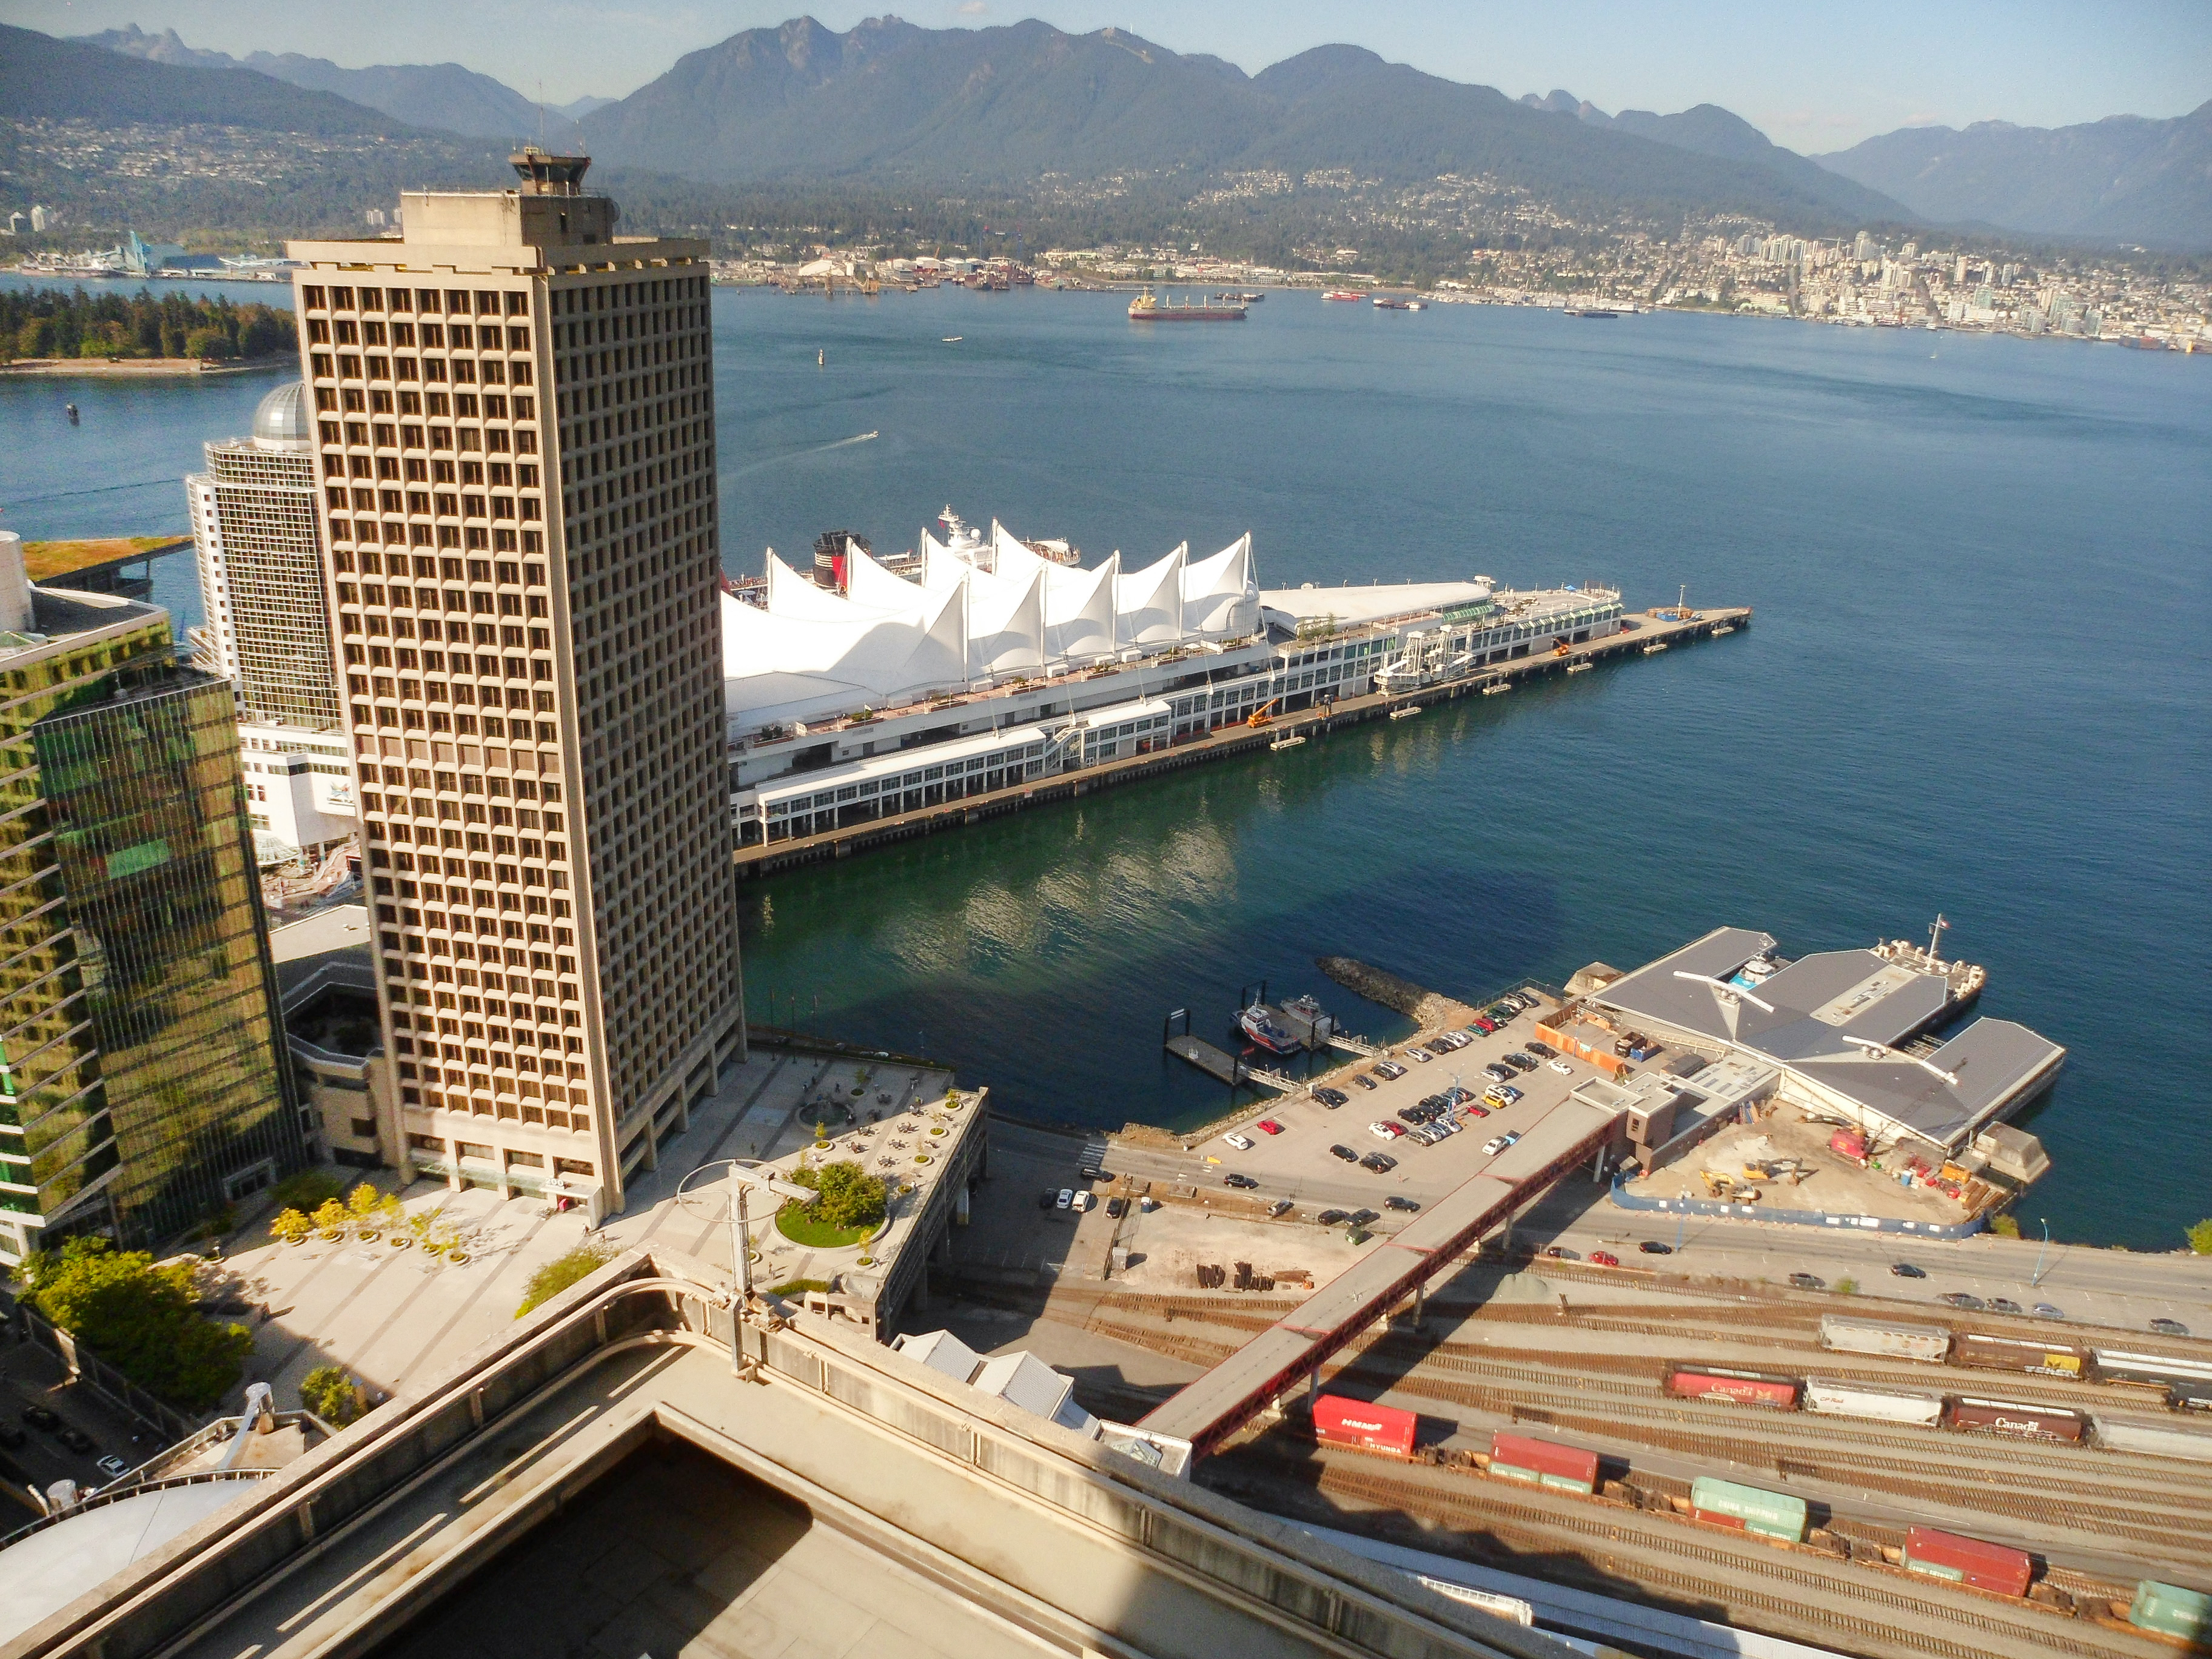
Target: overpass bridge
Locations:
point(1215, 1406)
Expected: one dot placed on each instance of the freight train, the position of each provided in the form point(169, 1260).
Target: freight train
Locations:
point(1835, 1397)
point(2187, 1382)
point(1997, 1568)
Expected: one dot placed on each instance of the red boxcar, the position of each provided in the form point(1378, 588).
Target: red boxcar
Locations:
point(1373, 1428)
point(1743, 1388)
point(1545, 1462)
point(1967, 1561)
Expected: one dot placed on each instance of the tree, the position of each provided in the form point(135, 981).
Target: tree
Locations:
point(361, 1203)
point(2200, 1238)
point(850, 1196)
point(330, 1216)
point(140, 1318)
point(209, 343)
point(333, 1394)
point(562, 1271)
point(291, 1226)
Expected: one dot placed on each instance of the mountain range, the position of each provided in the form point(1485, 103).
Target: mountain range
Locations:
point(1025, 106)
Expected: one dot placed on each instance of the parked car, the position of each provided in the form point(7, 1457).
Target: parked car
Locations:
point(1361, 1218)
point(1560, 1253)
point(113, 1467)
point(1363, 1080)
point(1279, 1208)
point(1333, 1098)
point(1242, 1143)
point(1357, 1236)
point(1512, 1137)
point(1394, 1202)
point(2004, 1304)
point(1498, 1073)
point(1385, 1131)
point(1520, 1062)
point(1494, 1146)
point(1962, 1301)
point(1268, 1126)
point(1330, 1217)
point(40, 1417)
point(1422, 1054)
point(1809, 1282)
point(1561, 1067)
point(1116, 1208)
point(1046, 1197)
point(1066, 1198)
point(1541, 1050)
point(1389, 1069)
point(1653, 1247)
point(76, 1440)
point(1484, 1024)
point(1604, 1259)
point(2169, 1328)
point(2045, 1311)
point(1344, 1152)
point(1241, 1182)
point(1092, 1172)
point(1907, 1270)
point(1380, 1162)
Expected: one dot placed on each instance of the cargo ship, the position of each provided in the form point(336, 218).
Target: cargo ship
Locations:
point(1144, 308)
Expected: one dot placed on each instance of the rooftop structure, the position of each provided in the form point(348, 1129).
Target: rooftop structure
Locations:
point(1842, 1025)
point(630, 1471)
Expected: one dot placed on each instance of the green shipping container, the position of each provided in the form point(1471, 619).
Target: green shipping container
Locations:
point(1770, 1514)
point(2172, 1610)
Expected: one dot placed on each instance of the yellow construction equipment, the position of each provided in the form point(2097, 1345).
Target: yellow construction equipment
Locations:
point(1261, 716)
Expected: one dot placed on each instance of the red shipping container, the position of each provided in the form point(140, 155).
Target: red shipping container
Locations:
point(1516, 1457)
point(1967, 1561)
point(1341, 1422)
point(1744, 1387)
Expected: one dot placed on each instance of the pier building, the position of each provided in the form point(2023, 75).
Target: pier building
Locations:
point(1000, 667)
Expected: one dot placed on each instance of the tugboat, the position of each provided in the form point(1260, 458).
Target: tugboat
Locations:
point(1259, 1024)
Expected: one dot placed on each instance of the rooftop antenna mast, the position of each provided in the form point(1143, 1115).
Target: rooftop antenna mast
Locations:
point(1935, 938)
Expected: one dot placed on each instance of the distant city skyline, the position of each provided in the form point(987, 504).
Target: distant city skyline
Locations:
point(1814, 84)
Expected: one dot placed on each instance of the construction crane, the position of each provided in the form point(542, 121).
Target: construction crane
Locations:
point(1259, 716)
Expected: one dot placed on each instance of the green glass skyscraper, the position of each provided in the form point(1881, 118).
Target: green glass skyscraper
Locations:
point(143, 1082)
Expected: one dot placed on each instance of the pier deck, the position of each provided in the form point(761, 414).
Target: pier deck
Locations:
point(768, 858)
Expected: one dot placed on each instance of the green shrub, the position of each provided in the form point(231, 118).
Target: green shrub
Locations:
point(562, 1271)
point(2006, 1226)
point(800, 1286)
point(333, 1396)
point(1847, 1287)
point(2200, 1238)
point(330, 1216)
point(140, 1318)
point(291, 1226)
point(850, 1196)
point(305, 1190)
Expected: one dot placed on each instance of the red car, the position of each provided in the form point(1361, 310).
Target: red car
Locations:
point(1268, 1126)
point(1486, 1026)
point(1605, 1258)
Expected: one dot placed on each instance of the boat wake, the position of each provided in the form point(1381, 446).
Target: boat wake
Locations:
point(801, 454)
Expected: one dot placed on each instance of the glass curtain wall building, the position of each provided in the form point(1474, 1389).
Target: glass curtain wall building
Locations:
point(141, 1083)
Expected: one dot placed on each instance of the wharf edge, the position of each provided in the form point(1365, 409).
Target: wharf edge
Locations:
point(1230, 741)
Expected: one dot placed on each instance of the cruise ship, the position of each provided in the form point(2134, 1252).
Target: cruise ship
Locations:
point(999, 665)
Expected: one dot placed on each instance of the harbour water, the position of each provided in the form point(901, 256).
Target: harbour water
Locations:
point(1978, 681)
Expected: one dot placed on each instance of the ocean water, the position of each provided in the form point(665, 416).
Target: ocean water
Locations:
point(1978, 683)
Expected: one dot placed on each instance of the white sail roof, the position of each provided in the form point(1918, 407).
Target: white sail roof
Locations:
point(1006, 623)
point(1221, 595)
point(1148, 606)
point(1078, 611)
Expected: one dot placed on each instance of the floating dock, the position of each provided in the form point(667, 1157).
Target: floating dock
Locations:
point(768, 858)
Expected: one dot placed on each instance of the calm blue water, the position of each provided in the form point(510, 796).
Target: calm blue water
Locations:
point(1978, 684)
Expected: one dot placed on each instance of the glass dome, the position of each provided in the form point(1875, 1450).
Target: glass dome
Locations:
point(281, 421)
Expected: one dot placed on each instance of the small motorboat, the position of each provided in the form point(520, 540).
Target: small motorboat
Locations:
point(1495, 687)
point(952, 339)
point(1580, 667)
point(1654, 650)
point(1725, 628)
point(1407, 713)
point(1291, 742)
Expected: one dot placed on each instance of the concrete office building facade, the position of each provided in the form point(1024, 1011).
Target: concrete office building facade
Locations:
point(514, 444)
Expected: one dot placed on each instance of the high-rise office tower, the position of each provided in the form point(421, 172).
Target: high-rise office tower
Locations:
point(142, 1081)
point(260, 544)
point(515, 444)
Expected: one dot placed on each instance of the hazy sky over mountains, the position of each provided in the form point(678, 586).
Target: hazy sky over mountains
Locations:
point(1814, 79)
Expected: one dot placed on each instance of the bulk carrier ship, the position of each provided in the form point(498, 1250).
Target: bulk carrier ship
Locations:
point(1144, 308)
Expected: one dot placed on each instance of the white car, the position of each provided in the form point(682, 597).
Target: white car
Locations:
point(1086, 1200)
point(1066, 1199)
point(1495, 1144)
point(1561, 1067)
point(1383, 1131)
point(1242, 1143)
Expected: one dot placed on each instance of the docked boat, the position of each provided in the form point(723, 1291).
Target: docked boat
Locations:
point(1346, 294)
point(1292, 741)
point(1496, 686)
point(1407, 713)
point(1146, 308)
point(1725, 628)
point(1580, 667)
point(1259, 1023)
point(1654, 650)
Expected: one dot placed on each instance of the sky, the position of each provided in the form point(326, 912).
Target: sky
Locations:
point(1815, 79)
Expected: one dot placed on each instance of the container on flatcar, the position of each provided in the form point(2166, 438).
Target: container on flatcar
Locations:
point(1832, 1398)
point(1740, 1388)
point(2155, 1436)
point(2016, 1416)
point(2170, 1610)
point(1986, 1352)
point(1890, 1339)
point(1542, 1463)
point(2189, 1396)
point(1356, 1423)
point(1770, 1514)
point(2168, 1370)
point(1967, 1561)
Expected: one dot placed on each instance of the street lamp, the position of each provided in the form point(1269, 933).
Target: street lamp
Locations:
point(2037, 1280)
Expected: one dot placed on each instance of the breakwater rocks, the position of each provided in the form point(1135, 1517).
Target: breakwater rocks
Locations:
point(1426, 1008)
